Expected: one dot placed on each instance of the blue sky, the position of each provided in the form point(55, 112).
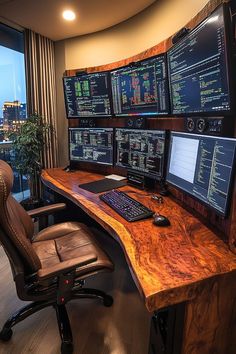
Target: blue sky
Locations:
point(12, 76)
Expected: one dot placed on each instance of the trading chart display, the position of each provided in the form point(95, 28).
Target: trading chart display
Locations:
point(198, 69)
point(91, 145)
point(141, 150)
point(141, 89)
point(87, 95)
point(203, 166)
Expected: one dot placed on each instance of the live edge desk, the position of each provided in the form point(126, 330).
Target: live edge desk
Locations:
point(183, 263)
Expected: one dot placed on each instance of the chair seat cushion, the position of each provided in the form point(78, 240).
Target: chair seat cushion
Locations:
point(67, 245)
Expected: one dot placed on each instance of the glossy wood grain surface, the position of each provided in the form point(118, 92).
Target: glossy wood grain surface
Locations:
point(226, 227)
point(169, 264)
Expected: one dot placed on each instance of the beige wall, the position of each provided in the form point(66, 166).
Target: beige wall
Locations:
point(158, 22)
point(153, 25)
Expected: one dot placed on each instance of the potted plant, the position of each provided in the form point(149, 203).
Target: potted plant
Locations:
point(28, 144)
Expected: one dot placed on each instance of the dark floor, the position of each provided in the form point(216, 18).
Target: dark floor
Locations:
point(120, 329)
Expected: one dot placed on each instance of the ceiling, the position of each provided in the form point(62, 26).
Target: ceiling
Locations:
point(44, 16)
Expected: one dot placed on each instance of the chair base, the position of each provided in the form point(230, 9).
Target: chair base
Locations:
point(62, 316)
point(64, 329)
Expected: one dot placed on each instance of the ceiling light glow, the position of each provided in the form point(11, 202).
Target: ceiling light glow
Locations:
point(68, 15)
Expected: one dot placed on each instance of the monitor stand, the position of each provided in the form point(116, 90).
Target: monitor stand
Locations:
point(136, 179)
point(163, 188)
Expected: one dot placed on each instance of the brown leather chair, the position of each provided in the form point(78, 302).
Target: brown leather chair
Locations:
point(48, 268)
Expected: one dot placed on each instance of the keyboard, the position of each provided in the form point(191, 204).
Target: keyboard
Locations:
point(129, 208)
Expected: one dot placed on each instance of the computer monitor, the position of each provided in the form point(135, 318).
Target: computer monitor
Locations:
point(87, 95)
point(199, 69)
point(141, 150)
point(93, 145)
point(202, 166)
point(141, 88)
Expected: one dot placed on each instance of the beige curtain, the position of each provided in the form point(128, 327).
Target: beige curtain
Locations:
point(41, 88)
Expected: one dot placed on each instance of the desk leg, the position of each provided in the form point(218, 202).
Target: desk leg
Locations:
point(167, 330)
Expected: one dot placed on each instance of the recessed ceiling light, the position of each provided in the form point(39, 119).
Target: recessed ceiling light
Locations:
point(68, 15)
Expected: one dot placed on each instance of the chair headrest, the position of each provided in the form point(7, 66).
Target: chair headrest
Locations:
point(6, 179)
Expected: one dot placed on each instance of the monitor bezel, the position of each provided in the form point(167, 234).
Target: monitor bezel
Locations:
point(228, 66)
point(76, 162)
point(140, 172)
point(108, 90)
point(139, 63)
point(231, 182)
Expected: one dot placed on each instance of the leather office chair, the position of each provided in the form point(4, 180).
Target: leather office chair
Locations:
point(48, 268)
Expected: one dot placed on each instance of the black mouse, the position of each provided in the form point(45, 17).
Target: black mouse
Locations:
point(161, 220)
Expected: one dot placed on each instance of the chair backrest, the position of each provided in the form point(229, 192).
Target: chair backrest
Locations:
point(16, 227)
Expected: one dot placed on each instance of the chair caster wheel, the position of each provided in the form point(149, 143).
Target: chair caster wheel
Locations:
point(6, 334)
point(66, 348)
point(108, 301)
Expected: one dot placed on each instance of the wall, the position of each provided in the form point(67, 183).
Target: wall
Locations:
point(152, 26)
point(158, 22)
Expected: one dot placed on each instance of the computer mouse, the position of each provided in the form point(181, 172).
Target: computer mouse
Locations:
point(161, 220)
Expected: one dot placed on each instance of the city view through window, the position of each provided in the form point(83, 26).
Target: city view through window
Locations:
point(12, 91)
point(12, 108)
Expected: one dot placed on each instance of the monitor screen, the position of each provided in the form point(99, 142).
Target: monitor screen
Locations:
point(202, 166)
point(198, 69)
point(87, 95)
point(141, 89)
point(141, 150)
point(91, 145)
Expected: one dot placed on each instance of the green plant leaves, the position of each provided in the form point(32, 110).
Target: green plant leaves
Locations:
point(28, 145)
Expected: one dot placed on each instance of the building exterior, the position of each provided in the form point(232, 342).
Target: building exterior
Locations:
point(14, 114)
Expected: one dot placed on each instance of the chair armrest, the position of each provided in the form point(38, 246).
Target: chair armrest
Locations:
point(66, 267)
point(46, 210)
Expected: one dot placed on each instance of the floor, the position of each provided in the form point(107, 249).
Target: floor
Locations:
point(120, 329)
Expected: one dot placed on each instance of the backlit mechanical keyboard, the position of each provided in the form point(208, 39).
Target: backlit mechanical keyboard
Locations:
point(129, 208)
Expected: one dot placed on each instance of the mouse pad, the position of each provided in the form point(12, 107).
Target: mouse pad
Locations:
point(102, 185)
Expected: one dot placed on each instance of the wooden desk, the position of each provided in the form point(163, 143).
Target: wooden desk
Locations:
point(185, 262)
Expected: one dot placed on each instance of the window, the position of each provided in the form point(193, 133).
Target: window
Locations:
point(12, 95)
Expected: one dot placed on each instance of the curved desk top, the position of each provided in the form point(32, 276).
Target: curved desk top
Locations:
point(168, 264)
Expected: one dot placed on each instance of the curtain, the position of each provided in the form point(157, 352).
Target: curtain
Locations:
point(41, 89)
